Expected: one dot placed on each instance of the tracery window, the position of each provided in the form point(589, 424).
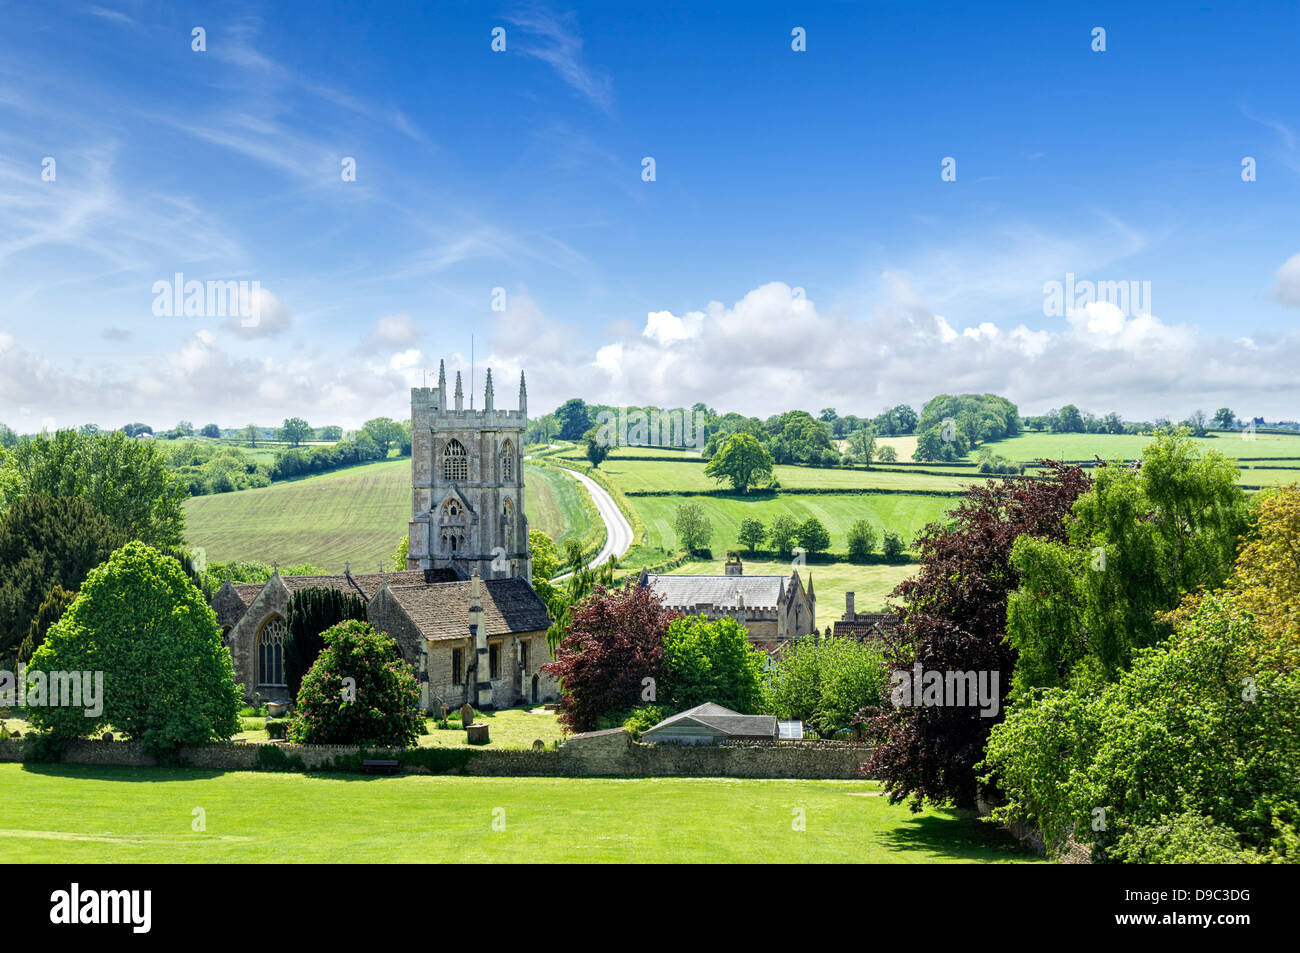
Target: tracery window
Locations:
point(455, 462)
point(270, 652)
point(507, 462)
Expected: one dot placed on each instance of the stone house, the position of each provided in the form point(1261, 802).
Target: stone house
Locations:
point(863, 625)
point(773, 608)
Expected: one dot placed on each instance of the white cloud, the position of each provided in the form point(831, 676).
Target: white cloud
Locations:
point(1287, 289)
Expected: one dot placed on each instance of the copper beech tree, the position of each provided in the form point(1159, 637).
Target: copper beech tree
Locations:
point(611, 658)
point(953, 619)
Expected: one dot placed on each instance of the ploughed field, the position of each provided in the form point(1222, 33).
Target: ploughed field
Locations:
point(358, 514)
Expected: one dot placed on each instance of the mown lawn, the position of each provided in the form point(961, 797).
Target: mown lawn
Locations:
point(358, 514)
point(74, 814)
point(870, 584)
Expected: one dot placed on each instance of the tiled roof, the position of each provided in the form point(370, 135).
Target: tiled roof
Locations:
point(358, 584)
point(688, 591)
point(442, 610)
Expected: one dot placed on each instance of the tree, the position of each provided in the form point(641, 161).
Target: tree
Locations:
point(693, 528)
point(783, 532)
point(711, 661)
point(1069, 420)
point(135, 429)
point(887, 454)
point(211, 431)
point(126, 480)
point(384, 431)
point(826, 683)
point(251, 434)
point(310, 612)
point(1266, 577)
point(46, 543)
point(613, 644)
point(294, 431)
point(1197, 423)
point(893, 546)
point(574, 418)
point(1137, 541)
point(742, 461)
point(953, 619)
point(1225, 419)
point(8, 438)
point(167, 679)
point(330, 433)
point(862, 539)
point(546, 563)
point(51, 610)
point(1189, 765)
point(751, 534)
point(862, 446)
point(595, 447)
point(813, 537)
point(358, 692)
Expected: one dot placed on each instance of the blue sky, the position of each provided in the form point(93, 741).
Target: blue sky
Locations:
point(797, 248)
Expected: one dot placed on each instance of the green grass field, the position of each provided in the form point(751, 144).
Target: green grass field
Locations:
point(358, 514)
point(901, 513)
point(870, 584)
point(1080, 446)
point(74, 814)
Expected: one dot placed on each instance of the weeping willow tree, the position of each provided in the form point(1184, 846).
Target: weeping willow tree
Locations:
point(311, 612)
point(577, 587)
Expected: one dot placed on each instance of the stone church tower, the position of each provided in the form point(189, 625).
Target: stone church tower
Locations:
point(467, 484)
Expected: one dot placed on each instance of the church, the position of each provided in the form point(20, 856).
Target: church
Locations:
point(463, 612)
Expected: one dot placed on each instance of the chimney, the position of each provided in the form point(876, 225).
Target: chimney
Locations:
point(733, 566)
point(848, 607)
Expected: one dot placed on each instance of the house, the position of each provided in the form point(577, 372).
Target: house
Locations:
point(711, 724)
point(863, 626)
point(772, 608)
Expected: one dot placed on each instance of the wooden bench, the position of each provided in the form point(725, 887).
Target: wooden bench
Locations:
point(380, 766)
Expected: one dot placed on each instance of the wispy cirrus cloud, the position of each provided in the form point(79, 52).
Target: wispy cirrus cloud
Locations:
point(556, 40)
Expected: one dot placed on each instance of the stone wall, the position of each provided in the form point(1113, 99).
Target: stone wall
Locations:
point(595, 754)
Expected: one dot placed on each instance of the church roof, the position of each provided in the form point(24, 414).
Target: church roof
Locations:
point(441, 610)
point(358, 584)
point(687, 591)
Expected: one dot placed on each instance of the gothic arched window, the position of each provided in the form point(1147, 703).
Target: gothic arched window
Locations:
point(270, 651)
point(455, 463)
point(507, 462)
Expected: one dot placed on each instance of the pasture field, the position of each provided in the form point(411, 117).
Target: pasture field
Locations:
point(357, 514)
point(78, 814)
point(869, 583)
point(902, 513)
point(1081, 446)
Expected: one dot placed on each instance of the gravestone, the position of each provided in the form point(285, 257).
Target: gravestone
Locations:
point(467, 714)
point(539, 744)
point(106, 736)
point(477, 734)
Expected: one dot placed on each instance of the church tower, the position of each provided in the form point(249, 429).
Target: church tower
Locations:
point(467, 484)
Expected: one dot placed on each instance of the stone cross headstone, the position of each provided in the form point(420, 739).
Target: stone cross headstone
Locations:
point(466, 714)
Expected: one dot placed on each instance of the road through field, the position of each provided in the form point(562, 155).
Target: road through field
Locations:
point(618, 531)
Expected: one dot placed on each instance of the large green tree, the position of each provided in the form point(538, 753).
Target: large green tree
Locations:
point(711, 660)
point(742, 461)
point(1137, 541)
point(126, 480)
point(46, 542)
point(694, 529)
point(167, 679)
point(295, 431)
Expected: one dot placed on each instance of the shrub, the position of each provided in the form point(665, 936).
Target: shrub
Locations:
point(824, 684)
point(643, 717)
point(893, 546)
point(379, 707)
point(862, 539)
point(813, 536)
point(168, 680)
